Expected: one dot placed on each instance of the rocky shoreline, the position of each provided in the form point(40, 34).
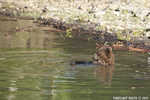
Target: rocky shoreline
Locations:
point(121, 23)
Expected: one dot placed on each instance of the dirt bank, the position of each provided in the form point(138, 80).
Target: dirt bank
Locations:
point(120, 23)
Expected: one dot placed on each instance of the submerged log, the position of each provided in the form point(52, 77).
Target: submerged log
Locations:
point(138, 49)
point(124, 47)
point(119, 47)
point(80, 62)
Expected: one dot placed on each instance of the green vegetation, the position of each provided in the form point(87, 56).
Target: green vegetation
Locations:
point(69, 33)
point(62, 16)
point(120, 36)
point(99, 28)
point(34, 15)
point(137, 33)
point(82, 17)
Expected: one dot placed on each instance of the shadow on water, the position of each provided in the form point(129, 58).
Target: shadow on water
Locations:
point(34, 65)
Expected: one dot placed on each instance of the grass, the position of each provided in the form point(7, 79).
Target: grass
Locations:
point(33, 15)
point(137, 33)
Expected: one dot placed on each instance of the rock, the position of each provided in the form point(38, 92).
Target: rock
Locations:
point(147, 34)
point(148, 60)
point(113, 1)
point(148, 14)
point(117, 9)
point(4, 10)
point(137, 71)
point(80, 8)
point(117, 13)
point(99, 14)
point(114, 7)
point(14, 12)
point(148, 29)
point(92, 10)
point(44, 10)
point(143, 14)
point(25, 6)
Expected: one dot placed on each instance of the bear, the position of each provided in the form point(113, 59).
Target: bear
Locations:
point(103, 56)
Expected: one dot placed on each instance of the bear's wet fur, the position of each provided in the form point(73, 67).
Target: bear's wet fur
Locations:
point(104, 56)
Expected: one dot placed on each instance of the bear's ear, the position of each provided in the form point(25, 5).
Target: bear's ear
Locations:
point(105, 43)
point(97, 45)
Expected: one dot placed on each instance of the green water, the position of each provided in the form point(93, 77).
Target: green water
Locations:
point(34, 65)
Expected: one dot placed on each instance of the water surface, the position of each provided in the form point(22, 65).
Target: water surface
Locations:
point(34, 65)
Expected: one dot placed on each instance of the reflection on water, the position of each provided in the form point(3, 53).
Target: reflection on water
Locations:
point(27, 35)
point(104, 74)
point(34, 65)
